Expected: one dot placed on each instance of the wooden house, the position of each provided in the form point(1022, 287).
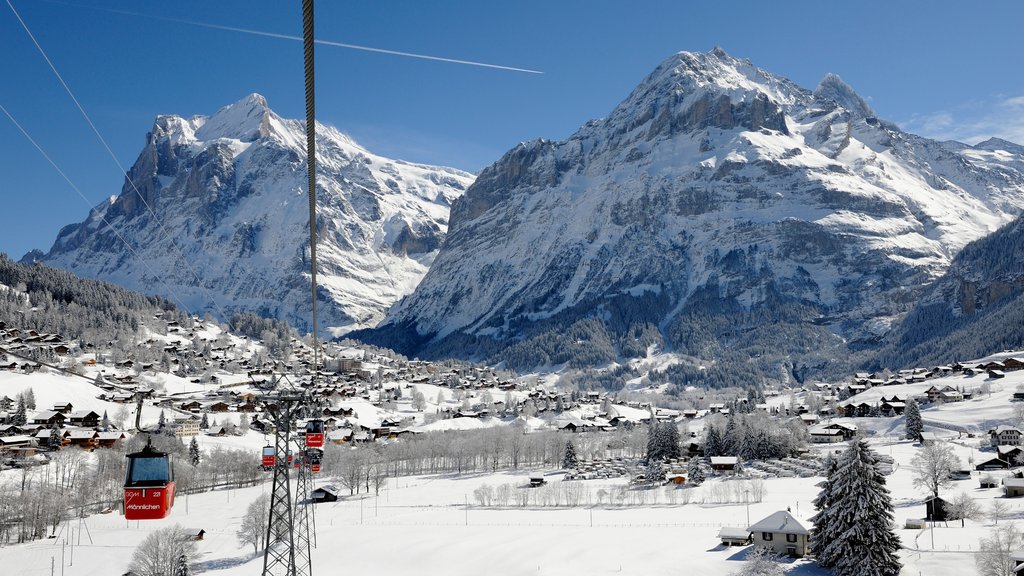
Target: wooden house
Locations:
point(724, 463)
point(731, 536)
point(63, 408)
point(84, 419)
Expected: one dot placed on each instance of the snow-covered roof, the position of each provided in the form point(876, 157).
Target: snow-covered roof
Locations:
point(780, 522)
point(734, 533)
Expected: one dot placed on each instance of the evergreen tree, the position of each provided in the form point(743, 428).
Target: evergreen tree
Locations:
point(182, 569)
point(914, 424)
point(161, 423)
point(824, 520)
point(655, 471)
point(860, 518)
point(30, 399)
point(712, 441)
point(730, 440)
point(569, 460)
point(204, 422)
point(55, 440)
point(670, 445)
point(653, 443)
point(20, 418)
point(695, 472)
point(105, 423)
point(193, 452)
point(875, 411)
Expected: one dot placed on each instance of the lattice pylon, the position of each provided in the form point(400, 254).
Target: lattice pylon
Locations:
point(303, 551)
point(279, 552)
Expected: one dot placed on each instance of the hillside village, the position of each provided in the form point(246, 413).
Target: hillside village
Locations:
point(61, 395)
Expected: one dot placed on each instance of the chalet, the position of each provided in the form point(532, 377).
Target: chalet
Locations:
point(809, 419)
point(1005, 435)
point(49, 418)
point(716, 408)
point(951, 396)
point(108, 439)
point(996, 374)
point(988, 482)
point(1013, 487)
point(42, 437)
point(8, 443)
point(63, 408)
point(191, 406)
point(928, 438)
point(217, 406)
point(731, 536)
point(84, 418)
point(1015, 363)
point(993, 464)
point(689, 413)
point(783, 533)
point(724, 463)
point(328, 493)
point(216, 431)
point(84, 439)
point(11, 430)
point(894, 405)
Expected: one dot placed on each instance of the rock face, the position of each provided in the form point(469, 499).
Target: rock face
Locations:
point(217, 216)
point(716, 202)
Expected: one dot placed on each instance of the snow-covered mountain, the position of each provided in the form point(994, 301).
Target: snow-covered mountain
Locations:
point(229, 191)
point(716, 201)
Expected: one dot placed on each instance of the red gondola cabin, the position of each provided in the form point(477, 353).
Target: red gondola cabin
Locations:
point(268, 457)
point(314, 433)
point(148, 485)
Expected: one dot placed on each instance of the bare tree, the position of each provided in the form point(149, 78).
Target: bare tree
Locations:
point(160, 553)
point(963, 507)
point(933, 466)
point(997, 510)
point(993, 558)
point(254, 523)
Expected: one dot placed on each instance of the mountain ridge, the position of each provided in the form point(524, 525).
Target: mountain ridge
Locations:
point(230, 189)
point(714, 191)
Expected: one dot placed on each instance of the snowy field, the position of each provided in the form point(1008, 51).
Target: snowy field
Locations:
point(422, 524)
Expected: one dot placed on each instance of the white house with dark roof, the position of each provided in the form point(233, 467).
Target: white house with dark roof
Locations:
point(783, 533)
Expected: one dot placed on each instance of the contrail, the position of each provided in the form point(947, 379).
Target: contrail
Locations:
point(299, 39)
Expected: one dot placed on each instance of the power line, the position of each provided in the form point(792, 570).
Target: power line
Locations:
point(96, 131)
point(103, 215)
point(300, 39)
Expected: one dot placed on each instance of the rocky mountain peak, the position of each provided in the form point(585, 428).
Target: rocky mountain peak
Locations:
point(246, 120)
point(832, 89)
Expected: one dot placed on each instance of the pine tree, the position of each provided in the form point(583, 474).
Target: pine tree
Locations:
point(30, 399)
point(653, 443)
point(20, 418)
point(824, 520)
point(860, 519)
point(914, 424)
point(204, 423)
point(695, 472)
point(182, 569)
point(569, 460)
point(55, 440)
point(161, 423)
point(670, 448)
point(194, 455)
point(712, 442)
point(105, 423)
point(655, 471)
point(730, 440)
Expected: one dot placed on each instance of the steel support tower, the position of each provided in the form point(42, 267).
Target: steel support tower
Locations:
point(281, 555)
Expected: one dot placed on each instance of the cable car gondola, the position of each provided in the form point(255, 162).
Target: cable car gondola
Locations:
point(314, 433)
point(148, 485)
point(269, 455)
point(315, 457)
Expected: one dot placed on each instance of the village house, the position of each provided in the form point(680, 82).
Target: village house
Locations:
point(783, 533)
point(1013, 487)
point(185, 426)
point(1005, 435)
point(84, 419)
point(724, 463)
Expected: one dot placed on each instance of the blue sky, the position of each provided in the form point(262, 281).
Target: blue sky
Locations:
point(940, 68)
